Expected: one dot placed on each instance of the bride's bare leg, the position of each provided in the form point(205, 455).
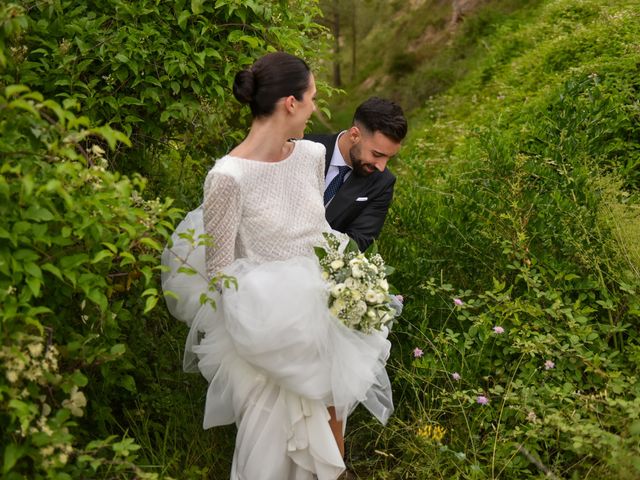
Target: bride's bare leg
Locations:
point(336, 428)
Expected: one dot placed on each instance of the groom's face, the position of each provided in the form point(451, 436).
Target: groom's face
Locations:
point(371, 152)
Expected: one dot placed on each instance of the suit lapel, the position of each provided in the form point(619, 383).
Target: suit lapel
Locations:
point(350, 190)
point(330, 146)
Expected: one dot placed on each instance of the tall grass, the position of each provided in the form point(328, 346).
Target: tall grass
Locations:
point(512, 233)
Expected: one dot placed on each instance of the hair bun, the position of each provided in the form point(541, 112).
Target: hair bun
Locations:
point(244, 86)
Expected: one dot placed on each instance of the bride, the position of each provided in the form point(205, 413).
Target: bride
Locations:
point(278, 364)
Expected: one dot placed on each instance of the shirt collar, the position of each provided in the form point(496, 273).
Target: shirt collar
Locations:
point(337, 160)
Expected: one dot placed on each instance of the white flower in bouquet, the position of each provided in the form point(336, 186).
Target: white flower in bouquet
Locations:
point(357, 286)
point(337, 289)
point(337, 265)
point(371, 296)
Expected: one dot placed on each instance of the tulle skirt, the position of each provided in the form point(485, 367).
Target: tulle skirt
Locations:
point(275, 359)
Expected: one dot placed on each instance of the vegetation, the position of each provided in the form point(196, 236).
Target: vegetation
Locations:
point(515, 231)
point(94, 96)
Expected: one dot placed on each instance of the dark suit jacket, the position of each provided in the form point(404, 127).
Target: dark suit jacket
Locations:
point(361, 220)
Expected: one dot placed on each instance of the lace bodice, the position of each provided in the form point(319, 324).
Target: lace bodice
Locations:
point(265, 211)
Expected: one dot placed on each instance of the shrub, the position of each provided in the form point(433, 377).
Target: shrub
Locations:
point(78, 261)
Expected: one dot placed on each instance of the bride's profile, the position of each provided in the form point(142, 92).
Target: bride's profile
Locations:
point(279, 364)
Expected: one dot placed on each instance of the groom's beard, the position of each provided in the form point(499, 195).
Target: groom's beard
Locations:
point(360, 168)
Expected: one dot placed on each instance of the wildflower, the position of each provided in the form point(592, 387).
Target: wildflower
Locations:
point(482, 400)
point(400, 298)
point(431, 432)
point(531, 416)
point(548, 365)
point(458, 302)
point(47, 451)
point(35, 349)
point(76, 402)
point(417, 352)
point(498, 329)
point(456, 376)
point(97, 150)
point(12, 376)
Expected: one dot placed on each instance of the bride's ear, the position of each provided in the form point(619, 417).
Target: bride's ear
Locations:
point(290, 103)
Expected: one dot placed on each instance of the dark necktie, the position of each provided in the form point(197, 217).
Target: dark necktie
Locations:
point(335, 184)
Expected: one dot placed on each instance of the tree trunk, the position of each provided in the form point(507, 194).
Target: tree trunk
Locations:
point(337, 80)
point(354, 39)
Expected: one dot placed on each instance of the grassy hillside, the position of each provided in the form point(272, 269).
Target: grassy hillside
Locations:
point(516, 236)
point(411, 51)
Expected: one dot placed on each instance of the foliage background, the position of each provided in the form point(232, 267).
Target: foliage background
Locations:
point(108, 109)
point(517, 196)
point(514, 231)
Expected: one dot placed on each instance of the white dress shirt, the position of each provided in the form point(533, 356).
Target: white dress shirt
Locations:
point(337, 160)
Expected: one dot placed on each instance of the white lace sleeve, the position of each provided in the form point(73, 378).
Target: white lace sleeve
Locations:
point(221, 215)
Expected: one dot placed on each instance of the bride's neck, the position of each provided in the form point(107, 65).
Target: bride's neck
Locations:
point(266, 142)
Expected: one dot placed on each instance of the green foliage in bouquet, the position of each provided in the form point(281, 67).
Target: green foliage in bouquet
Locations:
point(78, 262)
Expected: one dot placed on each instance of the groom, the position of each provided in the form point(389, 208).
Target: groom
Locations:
point(358, 185)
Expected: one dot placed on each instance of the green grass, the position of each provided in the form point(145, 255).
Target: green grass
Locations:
point(518, 193)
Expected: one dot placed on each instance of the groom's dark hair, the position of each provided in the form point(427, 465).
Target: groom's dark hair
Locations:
point(381, 115)
point(270, 78)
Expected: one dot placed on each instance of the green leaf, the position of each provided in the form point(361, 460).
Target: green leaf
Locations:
point(129, 383)
point(196, 6)
point(150, 242)
point(99, 298)
point(12, 90)
point(12, 453)
point(118, 349)
point(52, 269)
point(35, 212)
point(101, 255)
point(79, 379)
point(149, 291)
point(150, 304)
point(110, 246)
point(182, 19)
point(33, 270)
point(34, 285)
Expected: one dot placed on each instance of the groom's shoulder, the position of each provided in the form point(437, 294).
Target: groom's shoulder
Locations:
point(323, 138)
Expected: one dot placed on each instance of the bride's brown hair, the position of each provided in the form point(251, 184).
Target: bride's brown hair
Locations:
point(270, 78)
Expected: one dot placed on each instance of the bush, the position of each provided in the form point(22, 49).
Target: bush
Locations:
point(159, 71)
point(78, 261)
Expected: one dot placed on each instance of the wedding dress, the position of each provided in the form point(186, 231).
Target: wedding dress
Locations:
point(274, 356)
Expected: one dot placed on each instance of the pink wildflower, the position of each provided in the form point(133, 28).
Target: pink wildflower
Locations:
point(548, 365)
point(482, 400)
point(417, 352)
point(498, 329)
point(456, 376)
point(400, 298)
point(458, 302)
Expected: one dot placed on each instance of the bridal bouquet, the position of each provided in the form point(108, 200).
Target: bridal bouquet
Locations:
point(358, 288)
